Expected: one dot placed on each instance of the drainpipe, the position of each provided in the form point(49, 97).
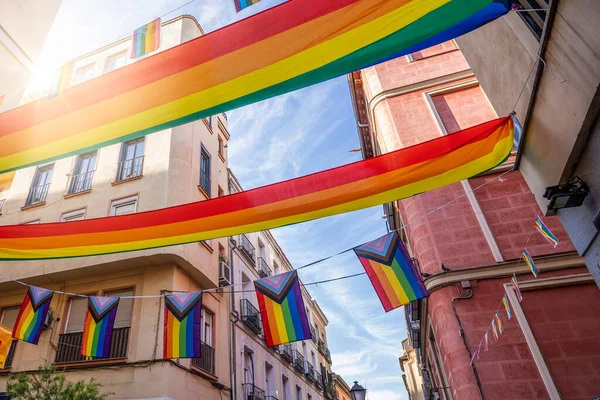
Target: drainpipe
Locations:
point(233, 318)
point(552, 6)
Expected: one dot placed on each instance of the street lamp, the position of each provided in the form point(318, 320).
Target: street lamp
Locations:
point(358, 392)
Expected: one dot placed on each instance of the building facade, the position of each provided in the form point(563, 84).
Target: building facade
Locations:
point(21, 44)
point(552, 55)
point(342, 390)
point(412, 376)
point(469, 248)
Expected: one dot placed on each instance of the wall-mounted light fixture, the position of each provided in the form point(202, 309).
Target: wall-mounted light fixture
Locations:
point(568, 195)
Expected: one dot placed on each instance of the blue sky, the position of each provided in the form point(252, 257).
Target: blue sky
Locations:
point(289, 136)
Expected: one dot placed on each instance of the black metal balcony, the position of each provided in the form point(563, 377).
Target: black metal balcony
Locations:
point(310, 372)
point(206, 361)
point(319, 381)
point(251, 316)
point(130, 168)
point(69, 346)
point(263, 268)
point(328, 392)
point(247, 249)
point(298, 361)
point(81, 182)
point(10, 355)
point(37, 194)
point(286, 352)
point(313, 334)
point(328, 355)
point(321, 347)
point(252, 392)
point(271, 398)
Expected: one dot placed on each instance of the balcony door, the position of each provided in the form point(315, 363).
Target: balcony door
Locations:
point(81, 180)
point(131, 159)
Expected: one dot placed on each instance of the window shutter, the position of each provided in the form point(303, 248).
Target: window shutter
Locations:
point(125, 310)
point(9, 316)
point(77, 314)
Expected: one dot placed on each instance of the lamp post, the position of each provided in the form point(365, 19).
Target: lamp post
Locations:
point(358, 392)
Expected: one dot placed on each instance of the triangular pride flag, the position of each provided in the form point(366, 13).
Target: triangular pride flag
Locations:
point(183, 328)
point(543, 229)
point(282, 309)
point(391, 271)
point(33, 313)
point(98, 326)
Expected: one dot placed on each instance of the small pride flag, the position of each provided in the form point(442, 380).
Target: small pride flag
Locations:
point(486, 341)
point(282, 309)
point(33, 313)
point(506, 307)
point(146, 39)
point(494, 329)
point(517, 288)
point(98, 326)
point(499, 322)
point(391, 271)
point(530, 264)
point(182, 328)
point(241, 4)
point(539, 224)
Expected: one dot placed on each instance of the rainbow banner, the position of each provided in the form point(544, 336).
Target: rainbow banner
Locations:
point(146, 39)
point(63, 80)
point(392, 176)
point(288, 47)
point(5, 343)
point(506, 307)
point(543, 229)
point(32, 315)
point(98, 326)
point(241, 4)
point(391, 271)
point(282, 309)
point(529, 261)
point(515, 283)
point(183, 326)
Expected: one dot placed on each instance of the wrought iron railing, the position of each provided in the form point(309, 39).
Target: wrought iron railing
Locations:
point(225, 116)
point(328, 355)
point(247, 249)
point(130, 168)
point(205, 182)
point(533, 13)
point(271, 398)
point(250, 316)
point(206, 361)
point(10, 355)
point(319, 381)
point(37, 194)
point(328, 392)
point(252, 392)
point(81, 182)
point(310, 372)
point(286, 352)
point(321, 347)
point(298, 361)
point(69, 346)
point(263, 268)
point(313, 334)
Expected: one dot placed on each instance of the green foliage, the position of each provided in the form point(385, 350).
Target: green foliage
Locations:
point(51, 385)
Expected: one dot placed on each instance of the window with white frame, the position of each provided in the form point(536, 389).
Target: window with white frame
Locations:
point(40, 185)
point(84, 74)
point(83, 172)
point(131, 159)
point(207, 326)
point(115, 61)
point(76, 215)
point(124, 206)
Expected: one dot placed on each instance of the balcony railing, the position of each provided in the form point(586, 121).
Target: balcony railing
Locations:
point(310, 372)
point(328, 392)
point(263, 268)
point(286, 352)
point(319, 381)
point(69, 346)
point(533, 13)
point(313, 334)
point(81, 182)
point(328, 355)
point(247, 249)
point(321, 347)
point(205, 182)
point(206, 361)
point(298, 361)
point(10, 355)
point(130, 168)
point(271, 398)
point(37, 194)
point(250, 316)
point(252, 392)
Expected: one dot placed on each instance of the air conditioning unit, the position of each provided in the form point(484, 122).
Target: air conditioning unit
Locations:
point(224, 274)
point(48, 320)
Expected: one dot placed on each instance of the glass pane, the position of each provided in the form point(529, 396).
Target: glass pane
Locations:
point(129, 151)
point(77, 314)
point(9, 316)
point(139, 148)
point(127, 208)
point(123, 318)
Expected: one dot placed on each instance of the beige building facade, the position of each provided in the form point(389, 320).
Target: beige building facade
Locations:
point(412, 375)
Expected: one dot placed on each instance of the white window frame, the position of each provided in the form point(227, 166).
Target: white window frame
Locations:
point(86, 68)
point(68, 216)
point(121, 202)
point(115, 57)
point(206, 312)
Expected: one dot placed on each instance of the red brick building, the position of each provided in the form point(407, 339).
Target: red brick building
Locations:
point(551, 346)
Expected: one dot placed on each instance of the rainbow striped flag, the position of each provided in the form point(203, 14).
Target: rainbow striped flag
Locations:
point(389, 177)
point(498, 322)
point(494, 329)
point(293, 45)
point(32, 314)
point(98, 326)
point(530, 263)
point(146, 39)
point(241, 4)
point(543, 229)
point(506, 307)
point(487, 342)
point(5, 343)
point(282, 309)
point(182, 327)
point(62, 81)
point(391, 271)
point(517, 288)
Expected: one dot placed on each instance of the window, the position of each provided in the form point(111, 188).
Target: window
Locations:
point(76, 215)
point(124, 206)
point(131, 160)
point(76, 316)
point(125, 309)
point(205, 170)
point(308, 397)
point(81, 179)
point(285, 388)
point(83, 74)
point(533, 19)
point(221, 148)
point(9, 316)
point(298, 393)
point(208, 122)
point(40, 185)
point(207, 326)
point(275, 267)
point(115, 61)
